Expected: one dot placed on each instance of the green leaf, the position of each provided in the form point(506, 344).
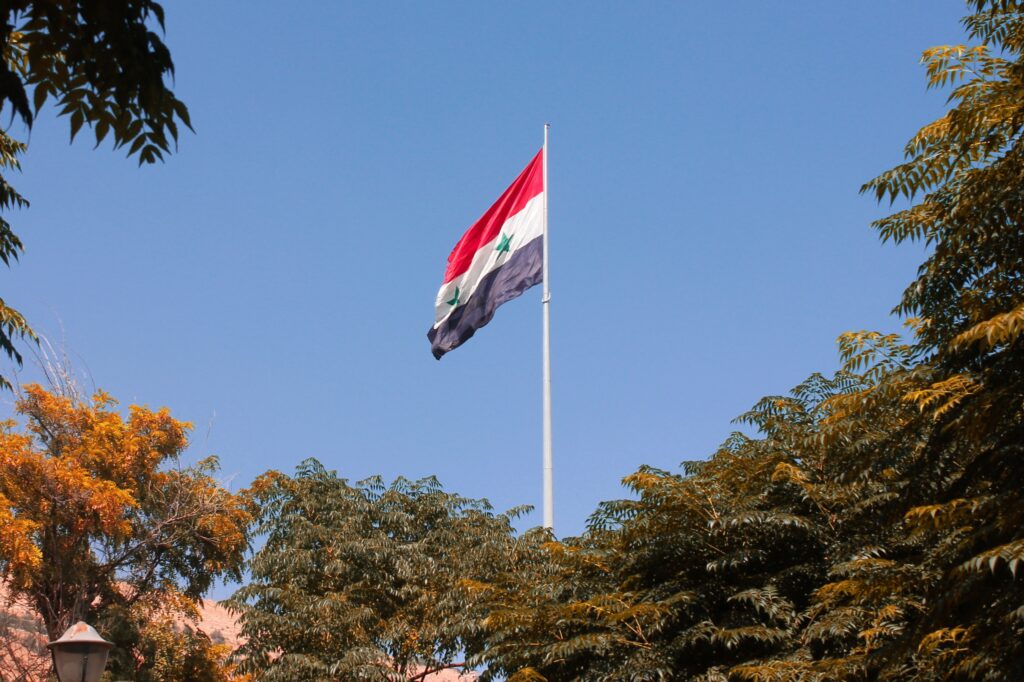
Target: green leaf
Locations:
point(77, 119)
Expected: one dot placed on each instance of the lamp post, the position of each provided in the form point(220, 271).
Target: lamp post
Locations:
point(80, 654)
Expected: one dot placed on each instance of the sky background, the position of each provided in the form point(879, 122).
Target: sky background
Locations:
point(273, 282)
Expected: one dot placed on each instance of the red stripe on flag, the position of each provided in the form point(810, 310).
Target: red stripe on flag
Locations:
point(529, 184)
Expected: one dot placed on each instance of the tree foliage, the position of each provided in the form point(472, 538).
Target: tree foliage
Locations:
point(363, 581)
point(102, 523)
point(171, 649)
point(13, 325)
point(102, 65)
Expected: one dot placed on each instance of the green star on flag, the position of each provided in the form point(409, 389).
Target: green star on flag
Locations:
point(454, 301)
point(503, 245)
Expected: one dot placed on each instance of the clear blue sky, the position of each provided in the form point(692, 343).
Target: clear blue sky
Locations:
point(273, 282)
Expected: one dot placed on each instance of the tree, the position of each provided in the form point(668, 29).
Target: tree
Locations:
point(174, 651)
point(13, 325)
point(854, 539)
point(103, 66)
point(363, 581)
point(102, 523)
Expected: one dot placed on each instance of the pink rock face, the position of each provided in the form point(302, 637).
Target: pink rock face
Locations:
point(218, 623)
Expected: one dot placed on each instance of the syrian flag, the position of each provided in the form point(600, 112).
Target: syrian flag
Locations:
point(497, 259)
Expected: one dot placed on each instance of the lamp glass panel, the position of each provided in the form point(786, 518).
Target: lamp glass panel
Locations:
point(69, 659)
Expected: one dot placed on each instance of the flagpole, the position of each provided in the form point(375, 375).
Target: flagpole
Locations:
point(549, 493)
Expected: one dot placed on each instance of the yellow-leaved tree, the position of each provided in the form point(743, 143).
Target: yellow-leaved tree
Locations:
point(102, 522)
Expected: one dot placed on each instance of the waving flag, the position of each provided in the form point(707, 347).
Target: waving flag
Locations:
point(497, 259)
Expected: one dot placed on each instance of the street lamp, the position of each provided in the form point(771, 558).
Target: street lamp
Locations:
point(80, 654)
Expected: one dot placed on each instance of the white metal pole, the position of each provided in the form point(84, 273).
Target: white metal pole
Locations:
point(549, 492)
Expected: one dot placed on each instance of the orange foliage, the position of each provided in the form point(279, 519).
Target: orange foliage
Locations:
point(99, 518)
point(81, 468)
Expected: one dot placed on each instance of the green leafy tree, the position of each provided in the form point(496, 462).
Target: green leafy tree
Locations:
point(364, 581)
point(100, 64)
point(13, 325)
